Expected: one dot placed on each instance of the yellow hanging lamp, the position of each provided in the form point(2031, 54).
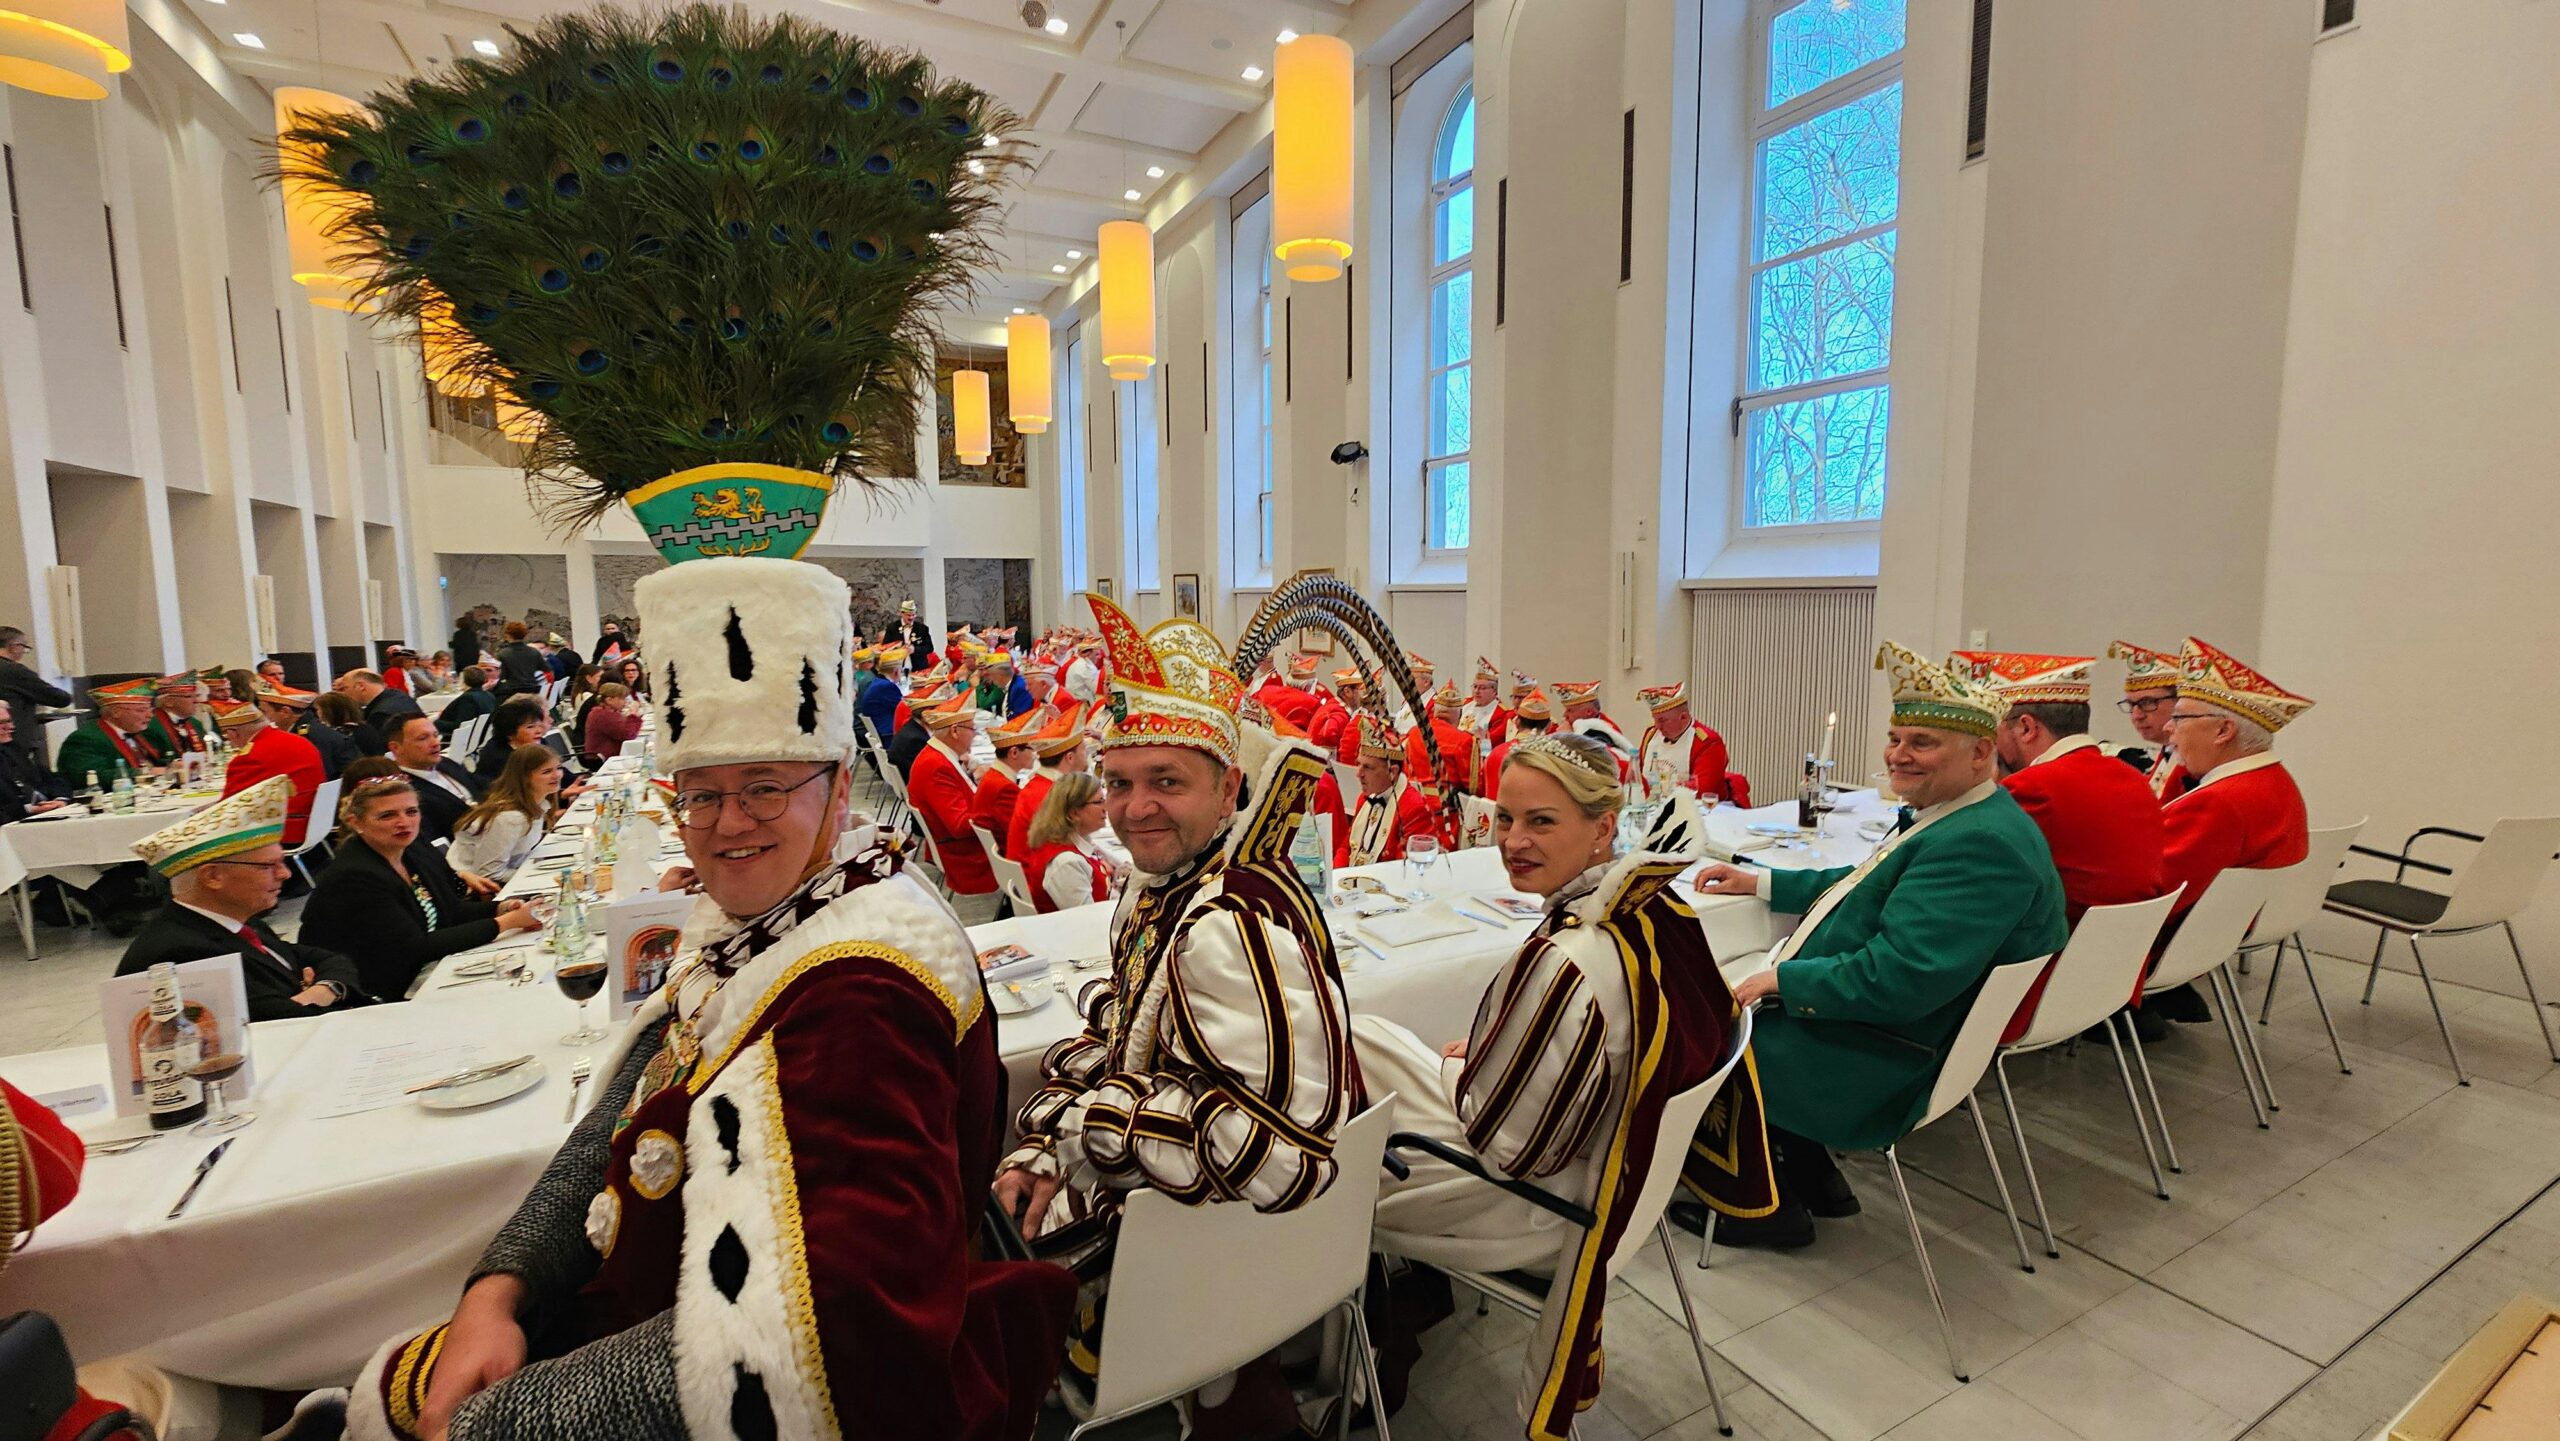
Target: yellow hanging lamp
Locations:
point(1026, 353)
point(1127, 256)
point(972, 429)
point(310, 210)
point(1311, 158)
point(65, 48)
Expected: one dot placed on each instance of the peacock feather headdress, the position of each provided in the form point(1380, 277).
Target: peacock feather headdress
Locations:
point(1313, 600)
point(682, 240)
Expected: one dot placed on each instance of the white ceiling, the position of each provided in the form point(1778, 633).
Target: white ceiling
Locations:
point(1130, 85)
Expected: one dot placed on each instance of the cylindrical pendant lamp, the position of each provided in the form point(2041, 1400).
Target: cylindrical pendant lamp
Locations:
point(1026, 356)
point(1128, 258)
point(63, 47)
point(311, 210)
point(519, 423)
point(440, 341)
point(1311, 158)
point(972, 431)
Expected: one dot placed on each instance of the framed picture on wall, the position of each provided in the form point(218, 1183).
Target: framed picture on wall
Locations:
point(1102, 587)
point(1186, 595)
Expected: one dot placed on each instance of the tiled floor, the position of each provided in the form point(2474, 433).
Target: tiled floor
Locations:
point(2300, 1285)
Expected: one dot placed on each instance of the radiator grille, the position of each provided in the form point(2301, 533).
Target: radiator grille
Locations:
point(1769, 664)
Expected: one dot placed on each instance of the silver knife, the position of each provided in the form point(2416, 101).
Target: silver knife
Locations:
point(475, 1073)
point(204, 1168)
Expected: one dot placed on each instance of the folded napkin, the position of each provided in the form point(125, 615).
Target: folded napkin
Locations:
point(1406, 928)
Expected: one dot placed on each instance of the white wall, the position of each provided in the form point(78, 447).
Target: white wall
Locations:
point(2409, 545)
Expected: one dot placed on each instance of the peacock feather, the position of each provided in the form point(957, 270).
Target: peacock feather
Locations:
point(1313, 600)
point(679, 239)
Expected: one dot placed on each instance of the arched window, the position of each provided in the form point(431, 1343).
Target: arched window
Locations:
point(1449, 347)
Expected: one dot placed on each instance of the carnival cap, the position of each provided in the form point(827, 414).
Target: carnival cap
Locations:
point(228, 827)
point(2025, 679)
point(2145, 668)
point(2214, 676)
point(1930, 695)
point(1174, 685)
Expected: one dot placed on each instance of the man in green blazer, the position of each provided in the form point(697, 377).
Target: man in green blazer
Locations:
point(1876, 980)
point(117, 734)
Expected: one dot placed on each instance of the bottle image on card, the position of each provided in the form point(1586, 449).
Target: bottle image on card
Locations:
point(171, 1046)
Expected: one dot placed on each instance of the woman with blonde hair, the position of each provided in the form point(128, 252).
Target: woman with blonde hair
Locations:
point(1064, 867)
point(1611, 1006)
point(495, 837)
point(390, 900)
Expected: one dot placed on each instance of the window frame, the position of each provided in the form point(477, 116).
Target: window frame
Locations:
point(1143, 498)
point(1765, 123)
point(1436, 272)
point(1075, 467)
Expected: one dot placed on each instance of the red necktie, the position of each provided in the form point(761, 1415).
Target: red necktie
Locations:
point(250, 934)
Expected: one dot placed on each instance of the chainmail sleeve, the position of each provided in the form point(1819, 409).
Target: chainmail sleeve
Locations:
point(545, 1242)
point(628, 1377)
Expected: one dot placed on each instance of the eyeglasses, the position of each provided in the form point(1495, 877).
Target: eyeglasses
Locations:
point(2147, 706)
point(2174, 717)
point(761, 800)
point(274, 865)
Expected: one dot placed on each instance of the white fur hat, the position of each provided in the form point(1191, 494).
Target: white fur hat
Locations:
point(750, 660)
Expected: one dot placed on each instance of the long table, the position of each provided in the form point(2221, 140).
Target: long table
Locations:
point(319, 1237)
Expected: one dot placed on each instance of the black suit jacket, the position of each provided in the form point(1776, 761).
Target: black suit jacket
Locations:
point(469, 704)
point(380, 711)
point(25, 690)
point(337, 750)
point(362, 908)
point(907, 743)
point(23, 783)
point(439, 810)
point(175, 933)
point(520, 670)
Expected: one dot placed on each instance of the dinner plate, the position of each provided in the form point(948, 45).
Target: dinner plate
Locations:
point(1019, 998)
point(489, 1090)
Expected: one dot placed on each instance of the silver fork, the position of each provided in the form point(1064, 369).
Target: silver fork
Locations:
point(578, 1074)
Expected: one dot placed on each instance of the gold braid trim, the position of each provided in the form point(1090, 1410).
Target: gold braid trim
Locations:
point(963, 1015)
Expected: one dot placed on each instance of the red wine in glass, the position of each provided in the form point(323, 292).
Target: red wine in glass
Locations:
point(580, 981)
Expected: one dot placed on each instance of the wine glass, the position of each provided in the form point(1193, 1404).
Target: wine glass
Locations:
point(218, 1115)
point(1419, 854)
point(579, 980)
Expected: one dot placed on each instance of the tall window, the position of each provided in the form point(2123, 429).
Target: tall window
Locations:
point(1075, 561)
point(1138, 475)
point(1826, 138)
point(1450, 346)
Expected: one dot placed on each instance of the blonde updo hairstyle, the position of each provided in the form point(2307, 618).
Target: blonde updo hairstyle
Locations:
point(1586, 769)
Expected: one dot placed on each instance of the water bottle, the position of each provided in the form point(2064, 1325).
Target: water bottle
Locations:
point(89, 792)
point(123, 804)
point(1311, 857)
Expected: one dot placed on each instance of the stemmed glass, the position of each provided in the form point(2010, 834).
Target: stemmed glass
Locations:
point(579, 980)
point(1419, 854)
point(218, 1115)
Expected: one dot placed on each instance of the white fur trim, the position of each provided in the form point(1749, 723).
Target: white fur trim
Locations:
point(748, 1217)
point(367, 1420)
point(792, 615)
point(898, 912)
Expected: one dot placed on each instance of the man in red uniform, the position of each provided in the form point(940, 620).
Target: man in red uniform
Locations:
point(1457, 748)
point(1061, 747)
point(2244, 811)
point(940, 790)
point(2150, 689)
point(1341, 740)
point(1331, 716)
point(261, 750)
point(1531, 714)
point(1675, 750)
point(1295, 698)
point(1580, 700)
point(1392, 808)
point(2098, 817)
point(1000, 789)
point(1484, 714)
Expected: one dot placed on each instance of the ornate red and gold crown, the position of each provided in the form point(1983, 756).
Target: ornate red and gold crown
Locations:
point(1171, 686)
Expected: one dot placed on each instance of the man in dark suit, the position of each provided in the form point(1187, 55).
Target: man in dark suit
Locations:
point(445, 790)
point(25, 787)
point(380, 701)
point(25, 690)
point(225, 866)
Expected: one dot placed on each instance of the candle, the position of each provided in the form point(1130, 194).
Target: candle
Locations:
point(1830, 727)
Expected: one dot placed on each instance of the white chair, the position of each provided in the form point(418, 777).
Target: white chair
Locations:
point(468, 737)
point(1679, 1126)
point(14, 881)
point(2296, 898)
point(1010, 877)
point(2498, 883)
point(1958, 1074)
point(2210, 933)
point(1175, 1265)
point(315, 832)
point(2097, 969)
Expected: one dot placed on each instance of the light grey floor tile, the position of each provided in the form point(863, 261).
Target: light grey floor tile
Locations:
point(2100, 1394)
point(2237, 1372)
point(1979, 1412)
point(1848, 1386)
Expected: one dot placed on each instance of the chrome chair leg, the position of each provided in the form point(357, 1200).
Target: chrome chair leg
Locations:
point(2312, 979)
point(2257, 1058)
point(2231, 1032)
point(2142, 1063)
point(2443, 1029)
point(1689, 1315)
point(2540, 1016)
point(1928, 1274)
point(1999, 1182)
point(2141, 1122)
point(2027, 1163)
point(1707, 1239)
point(2275, 972)
point(2373, 972)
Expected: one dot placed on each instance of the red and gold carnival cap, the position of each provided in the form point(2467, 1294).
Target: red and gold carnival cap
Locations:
point(2021, 678)
point(1577, 692)
point(1533, 706)
point(1446, 700)
point(1380, 738)
point(1302, 666)
point(1660, 698)
point(2210, 674)
point(1171, 686)
point(2145, 668)
point(1521, 685)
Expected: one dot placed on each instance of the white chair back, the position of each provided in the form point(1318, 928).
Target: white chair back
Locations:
point(1970, 1056)
point(2214, 927)
point(324, 818)
point(2503, 873)
point(2295, 896)
point(1174, 1323)
point(1680, 1116)
point(468, 737)
point(2097, 970)
point(1010, 877)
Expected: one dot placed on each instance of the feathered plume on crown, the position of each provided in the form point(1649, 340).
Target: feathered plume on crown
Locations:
point(680, 239)
point(1312, 600)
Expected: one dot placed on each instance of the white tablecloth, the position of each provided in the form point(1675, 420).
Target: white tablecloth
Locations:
point(316, 1239)
point(81, 841)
